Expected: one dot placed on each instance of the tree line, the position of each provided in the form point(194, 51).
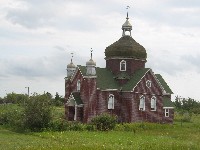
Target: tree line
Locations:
point(187, 105)
point(15, 98)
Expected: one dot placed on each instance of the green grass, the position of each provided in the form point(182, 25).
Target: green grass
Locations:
point(170, 137)
point(138, 136)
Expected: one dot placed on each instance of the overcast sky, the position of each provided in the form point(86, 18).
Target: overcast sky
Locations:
point(37, 37)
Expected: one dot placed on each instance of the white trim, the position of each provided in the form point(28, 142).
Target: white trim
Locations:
point(153, 103)
point(78, 85)
point(142, 103)
point(75, 113)
point(163, 90)
point(89, 77)
point(110, 90)
point(124, 58)
point(168, 107)
point(166, 112)
point(149, 83)
point(73, 75)
point(124, 63)
point(141, 79)
point(111, 101)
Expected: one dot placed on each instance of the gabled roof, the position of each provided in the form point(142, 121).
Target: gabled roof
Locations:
point(164, 84)
point(106, 80)
point(74, 98)
point(134, 80)
point(77, 97)
point(167, 102)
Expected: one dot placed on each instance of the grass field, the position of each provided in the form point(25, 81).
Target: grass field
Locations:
point(170, 137)
point(178, 136)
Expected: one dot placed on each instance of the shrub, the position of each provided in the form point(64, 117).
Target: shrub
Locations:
point(104, 122)
point(76, 126)
point(37, 112)
point(10, 114)
point(59, 125)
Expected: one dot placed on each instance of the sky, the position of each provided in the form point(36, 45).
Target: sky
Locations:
point(37, 37)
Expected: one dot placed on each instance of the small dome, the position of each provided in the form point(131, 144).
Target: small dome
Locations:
point(71, 65)
point(126, 47)
point(90, 63)
point(127, 25)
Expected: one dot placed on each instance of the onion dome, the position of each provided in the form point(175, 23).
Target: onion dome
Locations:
point(90, 63)
point(71, 65)
point(126, 47)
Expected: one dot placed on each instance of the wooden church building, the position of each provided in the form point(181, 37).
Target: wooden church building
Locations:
point(125, 88)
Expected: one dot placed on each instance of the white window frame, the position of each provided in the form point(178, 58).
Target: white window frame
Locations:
point(166, 112)
point(111, 100)
point(78, 85)
point(153, 103)
point(123, 62)
point(142, 103)
point(148, 83)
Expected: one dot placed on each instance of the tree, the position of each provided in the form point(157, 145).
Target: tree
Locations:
point(37, 112)
point(15, 98)
point(58, 101)
point(187, 105)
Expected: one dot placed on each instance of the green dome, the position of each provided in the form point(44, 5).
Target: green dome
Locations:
point(126, 47)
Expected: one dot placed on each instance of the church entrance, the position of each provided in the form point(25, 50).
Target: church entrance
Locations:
point(71, 113)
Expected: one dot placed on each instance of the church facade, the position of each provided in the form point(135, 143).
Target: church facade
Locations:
point(124, 88)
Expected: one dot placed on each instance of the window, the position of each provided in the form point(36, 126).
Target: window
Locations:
point(166, 112)
point(142, 103)
point(123, 65)
point(148, 83)
point(78, 85)
point(111, 102)
point(153, 103)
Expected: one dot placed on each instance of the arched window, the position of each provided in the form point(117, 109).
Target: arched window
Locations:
point(78, 85)
point(153, 103)
point(111, 101)
point(142, 103)
point(123, 65)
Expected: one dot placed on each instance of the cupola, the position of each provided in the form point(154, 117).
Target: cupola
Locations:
point(90, 65)
point(126, 27)
point(71, 68)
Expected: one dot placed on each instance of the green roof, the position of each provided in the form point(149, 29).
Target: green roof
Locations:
point(106, 80)
point(163, 83)
point(167, 102)
point(122, 75)
point(77, 98)
point(135, 78)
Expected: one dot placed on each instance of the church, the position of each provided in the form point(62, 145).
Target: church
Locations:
point(124, 88)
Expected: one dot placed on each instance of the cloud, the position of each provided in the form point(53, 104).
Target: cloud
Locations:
point(193, 61)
